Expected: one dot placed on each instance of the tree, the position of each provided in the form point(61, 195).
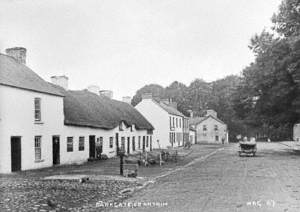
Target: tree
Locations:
point(157, 91)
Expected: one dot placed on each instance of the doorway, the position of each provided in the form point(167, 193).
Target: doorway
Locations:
point(92, 145)
point(144, 145)
point(128, 145)
point(117, 143)
point(16, 154)
point(55, 150)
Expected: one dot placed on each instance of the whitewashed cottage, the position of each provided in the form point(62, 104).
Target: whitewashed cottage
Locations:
point(171, 126)
point(209, 129)
point(43, 124)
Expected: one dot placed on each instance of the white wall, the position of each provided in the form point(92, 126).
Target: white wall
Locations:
point(211, 133)
point(296, 132)
point(177, 129)
point(17, 119)
point(81, 156)
point(159, 118)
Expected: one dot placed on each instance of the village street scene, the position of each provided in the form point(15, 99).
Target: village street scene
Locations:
point(150, 105)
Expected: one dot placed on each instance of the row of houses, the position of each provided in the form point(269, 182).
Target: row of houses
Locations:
point(44, 123)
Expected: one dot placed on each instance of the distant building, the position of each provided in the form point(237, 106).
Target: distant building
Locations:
point(44, 124)
point(209, 129)
point(296, 132)
point(171, 126)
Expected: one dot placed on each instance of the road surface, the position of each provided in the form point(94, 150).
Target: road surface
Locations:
point(225, 182)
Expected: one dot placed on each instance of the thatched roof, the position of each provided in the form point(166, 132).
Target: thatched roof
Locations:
point(84, 108)
point(15, 74)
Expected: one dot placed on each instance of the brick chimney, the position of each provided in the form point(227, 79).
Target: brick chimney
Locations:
point(107, 93)
point(127, 99)
point(61, 81)
point(94, 89)
point(19, 53)
point(211, 113)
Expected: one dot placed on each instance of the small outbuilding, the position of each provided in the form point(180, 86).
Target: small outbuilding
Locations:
point(296, 132)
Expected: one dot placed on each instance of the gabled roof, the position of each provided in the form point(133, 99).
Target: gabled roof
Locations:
point(198, 120)
point(84, 108)
point(169, 109)
point(15, 74)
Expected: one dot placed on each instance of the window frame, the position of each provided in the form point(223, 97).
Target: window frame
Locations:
point(81, 143)
point(111, 142)
point(38, 140)
point(69, 145)
point(37, 109)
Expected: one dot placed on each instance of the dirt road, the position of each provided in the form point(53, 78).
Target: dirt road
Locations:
point(225, 182)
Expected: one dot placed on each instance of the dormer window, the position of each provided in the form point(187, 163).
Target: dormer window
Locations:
point(37, 109)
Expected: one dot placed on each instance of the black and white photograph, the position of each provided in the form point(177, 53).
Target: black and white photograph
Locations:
point(150, 105)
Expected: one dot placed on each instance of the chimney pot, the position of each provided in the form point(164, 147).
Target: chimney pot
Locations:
point(211, 113)
point(127, 99)
point(107, 93)
point(61, 81)
point(19, 53)
point(94, 89)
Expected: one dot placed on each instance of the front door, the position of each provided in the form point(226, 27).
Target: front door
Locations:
point(128, 145)
point(92, 140)
point(15, 154)
point(117, 143)
point(144, 145)
point(55, 150)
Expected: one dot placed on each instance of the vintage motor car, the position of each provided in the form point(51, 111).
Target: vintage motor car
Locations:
point(247, 147)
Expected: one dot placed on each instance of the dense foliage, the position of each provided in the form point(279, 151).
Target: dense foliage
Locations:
point(265, 100)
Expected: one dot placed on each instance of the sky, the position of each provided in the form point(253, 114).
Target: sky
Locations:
point(122, 45)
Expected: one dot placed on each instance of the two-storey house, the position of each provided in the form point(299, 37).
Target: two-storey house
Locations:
point(171, 126)
point(44, 124)
point(209, 129)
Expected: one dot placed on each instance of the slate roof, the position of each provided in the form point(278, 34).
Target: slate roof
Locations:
point(169, 109)
point(84, 108)
point(15, 74)
point(198, 120)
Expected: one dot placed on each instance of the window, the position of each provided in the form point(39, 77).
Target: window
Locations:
point(37, 147)
point(111, 142)
point(204, 128)
point(216, 127)
point(180, 123)
point(81, 143)
point(139, 144)
point(69, 144)
point(133, 143)
point(37, 109)
point(176, 122)
point(173, 122)
point(170, 122)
